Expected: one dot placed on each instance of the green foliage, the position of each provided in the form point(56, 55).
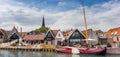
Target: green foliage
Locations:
point(42, 29)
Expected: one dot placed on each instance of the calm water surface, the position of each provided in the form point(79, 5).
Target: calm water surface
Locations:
point(13, 53)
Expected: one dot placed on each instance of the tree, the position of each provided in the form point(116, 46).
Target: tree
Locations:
point(42, 29)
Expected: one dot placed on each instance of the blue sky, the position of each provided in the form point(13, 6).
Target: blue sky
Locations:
point(59, 14)
point(60, 5)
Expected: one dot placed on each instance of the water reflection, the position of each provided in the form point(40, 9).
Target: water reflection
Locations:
point(74, 55)
point(13, 53)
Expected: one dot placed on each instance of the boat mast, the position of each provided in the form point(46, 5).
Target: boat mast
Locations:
point(85, 21)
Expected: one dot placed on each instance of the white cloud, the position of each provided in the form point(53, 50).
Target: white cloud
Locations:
point(61, 4)
point(99, 16)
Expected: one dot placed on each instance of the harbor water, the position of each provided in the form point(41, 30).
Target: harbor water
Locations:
point(18, 53)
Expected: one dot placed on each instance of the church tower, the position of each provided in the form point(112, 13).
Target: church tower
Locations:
point(43, 22)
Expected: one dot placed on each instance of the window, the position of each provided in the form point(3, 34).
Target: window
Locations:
point(115, 32)
point(75, 34)
point(0, 36)
point(49, 35)
point(59, 35)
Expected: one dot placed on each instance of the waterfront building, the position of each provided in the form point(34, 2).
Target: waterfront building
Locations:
point(74, 37)
point(3, 36)
point(101, 37)
point(50, 37)
point(113, 36)
point(13, 35)
point(34, 38)
point(59, 38)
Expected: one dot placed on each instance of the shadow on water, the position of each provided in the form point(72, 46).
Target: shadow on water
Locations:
point(15, 53)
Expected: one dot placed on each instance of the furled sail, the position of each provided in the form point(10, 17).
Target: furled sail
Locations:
point(92, 38)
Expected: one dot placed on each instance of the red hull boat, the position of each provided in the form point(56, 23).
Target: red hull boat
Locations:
point(64, 50)
point(99, 51)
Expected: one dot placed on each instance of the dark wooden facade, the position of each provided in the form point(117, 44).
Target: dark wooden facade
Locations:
point(76, 37)
point(13, 37)
point(3, 36)
point(49, 38)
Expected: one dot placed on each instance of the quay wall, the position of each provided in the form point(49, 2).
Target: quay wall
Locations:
point(26, 48)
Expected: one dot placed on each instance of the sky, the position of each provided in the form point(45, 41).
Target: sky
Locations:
point(59, 14)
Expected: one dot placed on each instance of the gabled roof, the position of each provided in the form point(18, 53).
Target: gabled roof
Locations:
point(23, 33)
point(54, 32)
point(99, 31)
point(34, 37)
point(88, 31)
point(67, 34)
point(78, 31)
point(14, 30)
point(113, 32)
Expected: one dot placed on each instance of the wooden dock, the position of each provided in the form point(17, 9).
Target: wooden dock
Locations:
point(47, 48)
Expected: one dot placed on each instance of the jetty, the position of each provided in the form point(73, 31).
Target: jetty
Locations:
point(40, 47)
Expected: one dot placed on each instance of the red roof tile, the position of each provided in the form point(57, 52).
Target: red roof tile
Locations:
point(34, 37)
point(113, 32)
point(54, 32)
point(88, 31)
point(23, 33)
point(67, 34)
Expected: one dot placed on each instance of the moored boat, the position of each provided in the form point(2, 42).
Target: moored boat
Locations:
point(99, 51)
point(113, 51)
point(72, 50)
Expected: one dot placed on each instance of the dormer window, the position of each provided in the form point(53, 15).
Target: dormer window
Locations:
point(112, 33)
point(115, 32)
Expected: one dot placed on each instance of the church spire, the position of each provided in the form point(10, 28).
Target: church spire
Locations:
point(43, 22)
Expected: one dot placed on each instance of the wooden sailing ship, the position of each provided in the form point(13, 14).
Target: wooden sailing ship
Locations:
point(98, 51)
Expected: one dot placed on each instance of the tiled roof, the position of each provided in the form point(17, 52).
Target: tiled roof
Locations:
point(113, 32)
point(34, 37)
point(99, 31)
point(67, 34)
point(88, 31)
point(54, 32)
point(23, 33)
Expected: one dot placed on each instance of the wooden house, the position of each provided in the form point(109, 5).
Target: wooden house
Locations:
point(113, 35)
point(34, 38)
point(50, 37)
point(3, 36)
point(59, 38)
point(74, 37)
